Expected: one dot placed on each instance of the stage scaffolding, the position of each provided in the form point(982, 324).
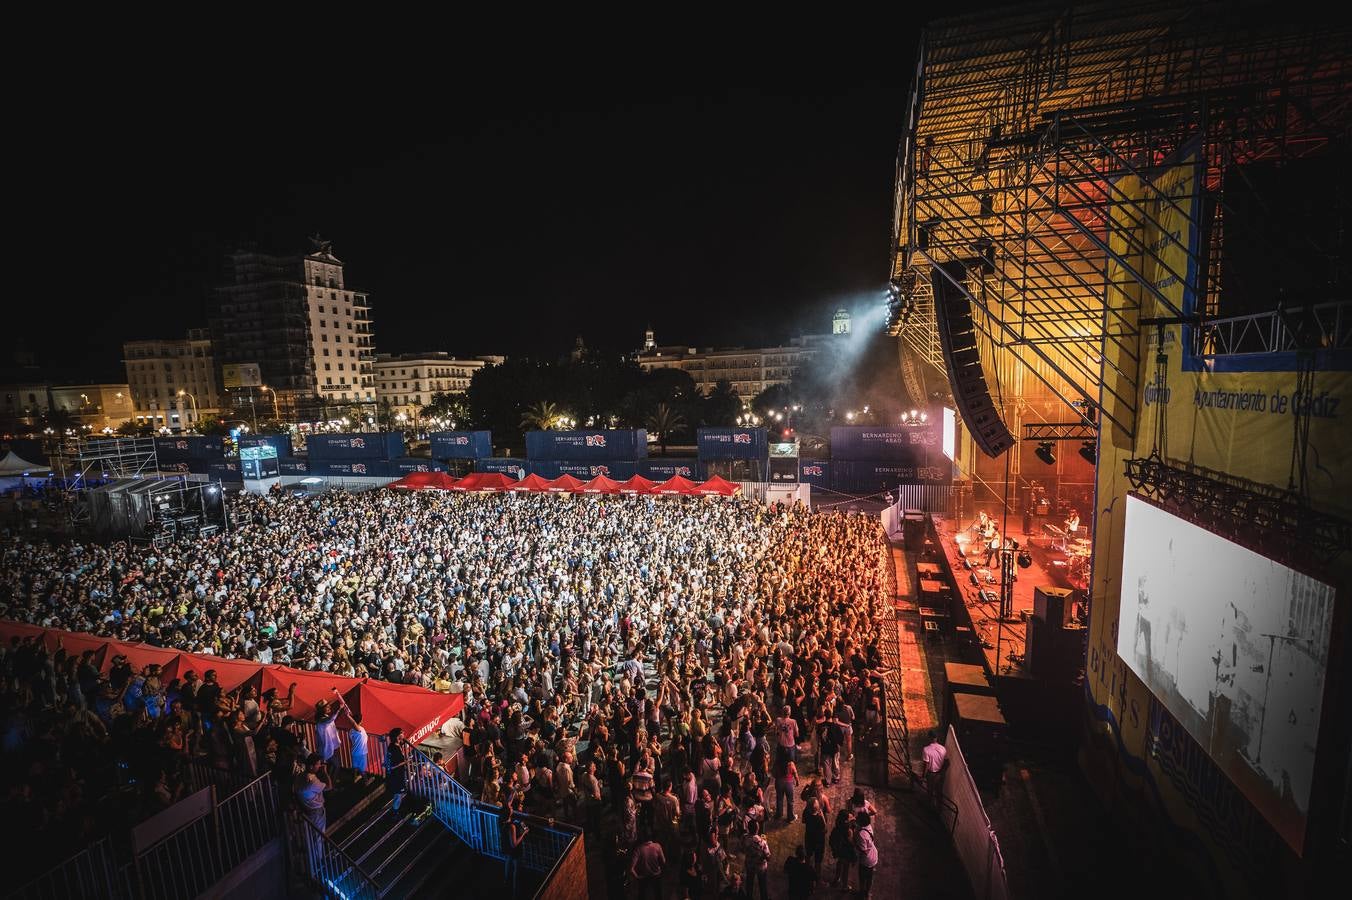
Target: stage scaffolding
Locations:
point(1020, 125)
point(81, 463)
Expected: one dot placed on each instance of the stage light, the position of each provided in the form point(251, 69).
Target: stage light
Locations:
point(1044, 453)
point(1089, 452)
point(1025, 559)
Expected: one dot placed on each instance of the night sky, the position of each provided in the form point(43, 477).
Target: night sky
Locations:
point(724, 194)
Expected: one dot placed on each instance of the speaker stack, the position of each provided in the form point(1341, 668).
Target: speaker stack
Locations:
point(957, 337)
point(1055, 648)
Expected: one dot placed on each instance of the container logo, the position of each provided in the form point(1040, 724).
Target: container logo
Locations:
point(180, 445)
point(358, 443)
point(813, 470)
point(596, 440)
point(600, 470)
point(741, 437)
point(682, 470)
point(461, 440)
point(359, 468)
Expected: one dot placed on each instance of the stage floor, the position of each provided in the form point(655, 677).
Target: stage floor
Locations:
point(1049, 568)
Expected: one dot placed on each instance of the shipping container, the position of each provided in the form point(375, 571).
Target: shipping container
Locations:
point(281, 442)
point(912, 445)
point(863, 477)
point(732, 443)
point(225, 470)
point(587, 445)
point(461, 444)
point(189, 446)
point(618, 469)
point(511, 466)
point(365, 445)
point(662, 469)
point(400, 467)
point(293, 466)
point(358, 468)
point(816, 472)
point(185, 466)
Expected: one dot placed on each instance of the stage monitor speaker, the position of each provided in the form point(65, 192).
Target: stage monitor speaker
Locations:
point(957, 338)
point(1053, 605)
point(1053, 652)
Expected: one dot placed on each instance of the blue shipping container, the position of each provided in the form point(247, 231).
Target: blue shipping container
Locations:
point(618, 469)
point(365, 445)
point(858, 477)
point(293, 466)
point(185, 466)
point(282, 442)
point(880, 443)
point(587, 445)
point(816, 472)
point(414, 464)
point(507, 465)
point(461, 444)
point(189, 447)
point(226, 470)
point(732, 443)
point(350, 468)
point(662, 469)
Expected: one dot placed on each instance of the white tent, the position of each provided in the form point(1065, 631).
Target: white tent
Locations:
point(13, 464)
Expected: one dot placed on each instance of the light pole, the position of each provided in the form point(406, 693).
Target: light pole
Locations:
point(195, 417)
point(275, 414)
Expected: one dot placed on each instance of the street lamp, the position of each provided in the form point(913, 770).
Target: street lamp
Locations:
point(275, 414)
point(183, 393)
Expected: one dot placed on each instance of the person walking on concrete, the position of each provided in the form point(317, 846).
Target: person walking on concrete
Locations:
point(867, 850)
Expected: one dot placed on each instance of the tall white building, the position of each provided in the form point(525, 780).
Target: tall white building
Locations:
point(409, 380)
point(309, 333)
point(157, 370)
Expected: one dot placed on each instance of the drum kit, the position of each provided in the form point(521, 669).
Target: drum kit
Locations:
point(1078, 553)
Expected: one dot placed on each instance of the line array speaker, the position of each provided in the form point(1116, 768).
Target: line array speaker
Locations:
point(957, 337)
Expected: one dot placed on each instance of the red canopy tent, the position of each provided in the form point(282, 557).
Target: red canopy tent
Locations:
point(495, 481)
point(10, 630)
point(230, 673)
point(142, 655)
point(717, 486)
point(418, 711)
point(636, 484)
point(601, 485)
point(76, 643)
point(418, 481)
point(676, 484)
point(310, 687)
point(531, 482)
point(469, 483)
point(565, 484)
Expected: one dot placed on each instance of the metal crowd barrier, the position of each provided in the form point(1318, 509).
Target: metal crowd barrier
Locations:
point(329, 866)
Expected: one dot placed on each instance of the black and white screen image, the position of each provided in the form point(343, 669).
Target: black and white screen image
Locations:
point(1235, 645)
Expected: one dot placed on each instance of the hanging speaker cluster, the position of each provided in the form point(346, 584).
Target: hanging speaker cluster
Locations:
point(957, 337)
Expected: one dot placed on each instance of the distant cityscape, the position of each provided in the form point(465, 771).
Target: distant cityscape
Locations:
point(288, 341)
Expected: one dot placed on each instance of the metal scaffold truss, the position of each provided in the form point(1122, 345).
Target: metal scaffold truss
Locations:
point(1038, 153)
point(78, 463)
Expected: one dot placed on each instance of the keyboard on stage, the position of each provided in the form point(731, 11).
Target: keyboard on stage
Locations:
point(1057, 536)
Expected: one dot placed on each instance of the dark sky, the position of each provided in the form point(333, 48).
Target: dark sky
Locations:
point(502, 202)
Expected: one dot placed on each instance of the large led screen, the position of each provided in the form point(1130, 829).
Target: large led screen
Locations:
point(1235, 645)
point(950, 432)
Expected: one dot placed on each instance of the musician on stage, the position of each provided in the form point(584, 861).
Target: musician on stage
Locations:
point(1073, 524)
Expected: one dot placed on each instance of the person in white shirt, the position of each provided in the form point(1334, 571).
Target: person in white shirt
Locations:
point(935, 756)
point(310, 791)
point(326, 727)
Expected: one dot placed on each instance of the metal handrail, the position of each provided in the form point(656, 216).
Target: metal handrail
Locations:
point(331, 868)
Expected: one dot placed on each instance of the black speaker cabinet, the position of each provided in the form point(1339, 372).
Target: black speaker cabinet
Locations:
point(1053, 605)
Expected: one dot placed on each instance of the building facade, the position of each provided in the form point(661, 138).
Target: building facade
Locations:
point(749, 370)
point(174, 383)
point(309, 333)
point(409, 380)
point(94, 407)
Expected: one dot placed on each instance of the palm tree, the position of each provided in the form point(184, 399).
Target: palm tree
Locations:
point(542, 416)
point(663, 422)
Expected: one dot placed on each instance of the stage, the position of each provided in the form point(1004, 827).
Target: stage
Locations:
point(955, 597)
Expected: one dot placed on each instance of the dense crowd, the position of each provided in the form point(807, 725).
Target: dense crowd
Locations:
point(658, 664)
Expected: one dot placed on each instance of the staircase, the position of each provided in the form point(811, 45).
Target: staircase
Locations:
point(403, 856)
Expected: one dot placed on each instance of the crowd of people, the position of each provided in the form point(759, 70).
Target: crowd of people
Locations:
point(657, 666)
